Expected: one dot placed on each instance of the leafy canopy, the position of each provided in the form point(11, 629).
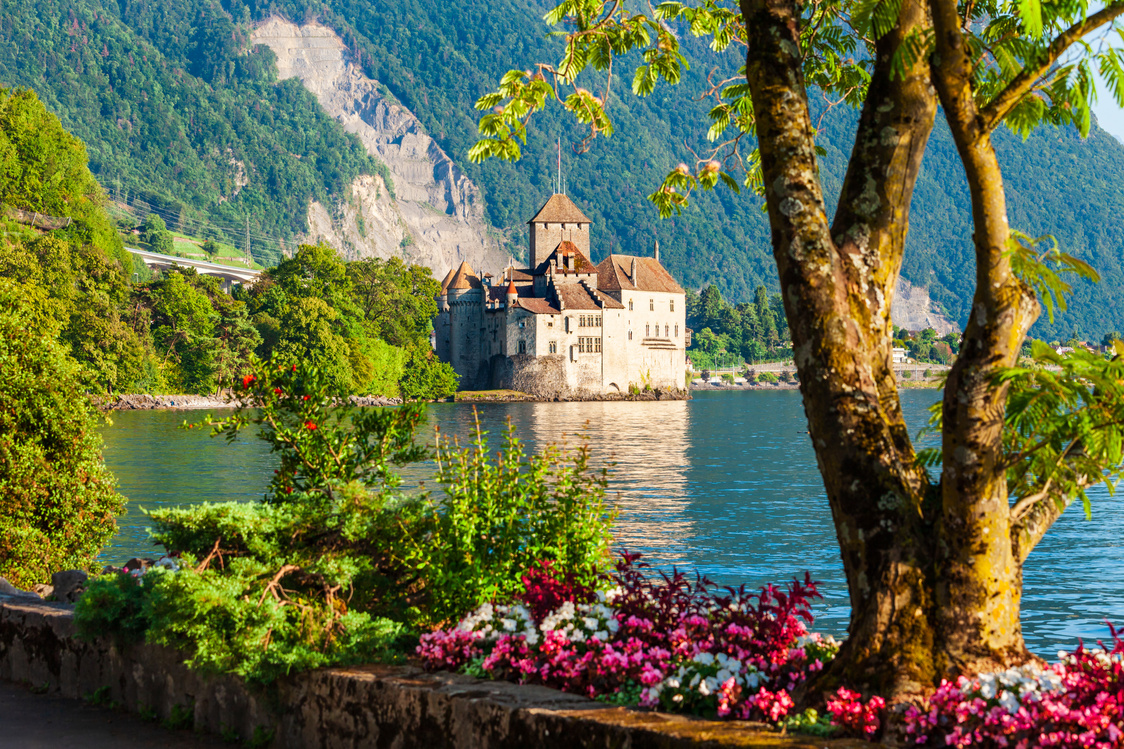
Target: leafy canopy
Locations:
point(1016, 45)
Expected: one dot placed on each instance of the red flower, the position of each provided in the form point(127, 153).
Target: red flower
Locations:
point(247, 380)
point(277, 391)
point(294, 367)
point(311, 426)
point(304, 398)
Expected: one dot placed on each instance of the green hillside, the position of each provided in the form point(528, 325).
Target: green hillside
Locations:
point(168, 101)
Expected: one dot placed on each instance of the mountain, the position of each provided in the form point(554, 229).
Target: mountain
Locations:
point(176, 110)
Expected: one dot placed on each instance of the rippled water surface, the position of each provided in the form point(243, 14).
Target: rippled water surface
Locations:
point(725, 483)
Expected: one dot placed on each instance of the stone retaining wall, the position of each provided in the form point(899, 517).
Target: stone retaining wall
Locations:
point(396, 707)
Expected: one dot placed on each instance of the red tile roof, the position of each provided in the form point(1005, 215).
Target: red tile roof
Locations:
point(559, 210)
point(567, 249)
point(614, 274)
point(538, 306)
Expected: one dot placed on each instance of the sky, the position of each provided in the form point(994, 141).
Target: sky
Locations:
point(1109, 114)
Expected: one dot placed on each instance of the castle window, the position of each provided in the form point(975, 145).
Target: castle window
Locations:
point(554, 347)
point(599, 321)
point(666, 330)
point(630, 335)
point(630, 305)
point(651, 305)
point(647, 330)
point(672, 305)
point(581, 345)
point(597, 345)
point(522, 347)
point(676, 331)
point(522, 323)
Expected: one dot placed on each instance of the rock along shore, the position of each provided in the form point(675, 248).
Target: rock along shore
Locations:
point(143, 402)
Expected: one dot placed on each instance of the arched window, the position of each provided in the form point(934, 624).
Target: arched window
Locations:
point(630, 335)
point(676, 331)
point(672, 305)
point(630, 305)
point(666, 331)
point(651, 305)
point(647, 330)
point(522, 347)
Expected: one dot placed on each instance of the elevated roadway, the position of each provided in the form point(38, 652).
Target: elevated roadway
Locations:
point(231, 274)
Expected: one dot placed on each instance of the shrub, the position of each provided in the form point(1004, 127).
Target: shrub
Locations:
point(499, 517)
point(339, 561)
point(907, 374)
point(727, 378)
point(58, 504)
point(767, 378)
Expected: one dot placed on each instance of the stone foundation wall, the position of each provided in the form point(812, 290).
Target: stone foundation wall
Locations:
point(396, 707)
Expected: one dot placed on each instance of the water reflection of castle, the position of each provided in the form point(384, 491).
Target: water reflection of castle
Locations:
point(648, 443)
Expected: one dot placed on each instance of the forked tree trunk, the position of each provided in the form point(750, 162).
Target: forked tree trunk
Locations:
point(932, 579)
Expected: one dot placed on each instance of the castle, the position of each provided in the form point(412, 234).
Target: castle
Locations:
point(564, 327)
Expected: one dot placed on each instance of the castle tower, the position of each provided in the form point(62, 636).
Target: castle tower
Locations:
point(557, 221)
point(465, 295)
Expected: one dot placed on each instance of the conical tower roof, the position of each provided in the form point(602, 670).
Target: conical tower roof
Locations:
point(465, 278)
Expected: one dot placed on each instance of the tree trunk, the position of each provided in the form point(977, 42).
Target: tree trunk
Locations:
point(932, 577)
point(981, 581)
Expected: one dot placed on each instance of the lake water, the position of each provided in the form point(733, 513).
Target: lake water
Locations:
point(725, 483)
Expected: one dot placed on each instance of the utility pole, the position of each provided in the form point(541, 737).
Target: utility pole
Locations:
point(248, 252)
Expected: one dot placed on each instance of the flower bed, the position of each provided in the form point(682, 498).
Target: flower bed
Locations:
point(661, 642)
point(1077, 702)
point(676, 645)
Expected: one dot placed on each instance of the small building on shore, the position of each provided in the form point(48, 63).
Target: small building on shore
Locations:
point(564, 327)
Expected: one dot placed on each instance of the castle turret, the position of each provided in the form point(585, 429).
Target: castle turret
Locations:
point(512, 294)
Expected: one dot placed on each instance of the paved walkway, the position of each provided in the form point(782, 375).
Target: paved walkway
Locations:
point(31, 721)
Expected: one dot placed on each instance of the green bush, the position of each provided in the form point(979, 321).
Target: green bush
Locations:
point(728, 378)
point(116, 604)
point(768, 378)
point(500, 516)
point(339, 561)
point(58, 505)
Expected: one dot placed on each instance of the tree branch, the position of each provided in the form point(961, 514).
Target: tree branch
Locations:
point(1029, 528)
point(1007, 99)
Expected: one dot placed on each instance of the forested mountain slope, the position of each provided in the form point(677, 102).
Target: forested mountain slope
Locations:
point(164, 94)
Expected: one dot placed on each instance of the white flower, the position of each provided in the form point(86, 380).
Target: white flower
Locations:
point(677, 698)
point(589, 622)
point(672, 683)
point(705, 659)
point(987, 688)
point(1010, 702)
point(601, 635)
point(704, 687)
point(508, 624)
point(723, 676)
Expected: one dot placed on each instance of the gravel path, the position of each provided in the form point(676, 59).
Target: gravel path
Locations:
point(31, 721)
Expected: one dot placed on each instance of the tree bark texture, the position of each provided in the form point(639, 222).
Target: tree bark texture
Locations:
point(981, 583)
point(931, 571)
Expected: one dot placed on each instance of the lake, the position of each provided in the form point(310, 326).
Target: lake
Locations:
point(725, 483)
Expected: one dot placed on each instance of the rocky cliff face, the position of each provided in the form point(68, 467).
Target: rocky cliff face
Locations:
point(914, 310)
point(435, 217)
